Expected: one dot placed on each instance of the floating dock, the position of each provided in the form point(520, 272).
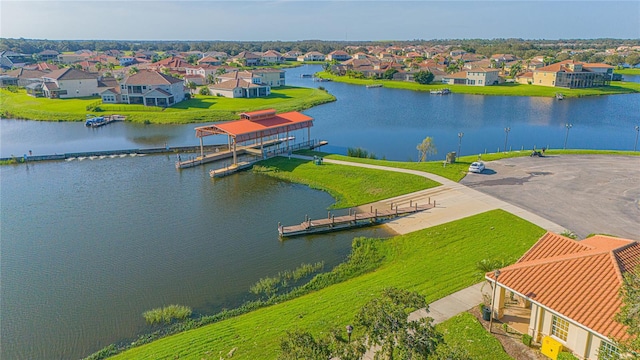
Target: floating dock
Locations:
point(353, 220)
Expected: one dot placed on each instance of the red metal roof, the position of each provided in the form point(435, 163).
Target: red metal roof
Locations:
point(245, 129)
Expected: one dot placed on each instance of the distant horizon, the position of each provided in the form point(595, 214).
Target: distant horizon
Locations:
point(322, 40)
point(300, 20)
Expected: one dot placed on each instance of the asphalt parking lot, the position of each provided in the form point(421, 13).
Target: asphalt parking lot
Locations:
point(584, 193)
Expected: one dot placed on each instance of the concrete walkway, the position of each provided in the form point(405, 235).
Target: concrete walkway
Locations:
point(453, 201)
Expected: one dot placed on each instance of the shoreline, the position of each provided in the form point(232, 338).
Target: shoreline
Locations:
point(506, 89)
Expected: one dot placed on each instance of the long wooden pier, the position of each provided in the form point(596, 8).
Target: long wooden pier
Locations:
point(353, 220)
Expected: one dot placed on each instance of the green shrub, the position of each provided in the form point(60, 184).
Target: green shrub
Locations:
point(527, 339)
point(566, 356)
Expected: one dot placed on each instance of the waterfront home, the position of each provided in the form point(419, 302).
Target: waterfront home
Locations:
point(146, 87)
point(525, 78)
point(239, 88)
point(573, 74)
point(69, 83)
point(312, 56)
point(271, 77)
point(474, 77)
point(272, 57)
point(566, 292)
point(338, 55)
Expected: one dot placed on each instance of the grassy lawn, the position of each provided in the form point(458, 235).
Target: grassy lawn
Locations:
point(506, 89)
point(458, 170)
point(199, 109)
point(465, 332)
point(434, 262)
point(349, 185)
point(627, 71)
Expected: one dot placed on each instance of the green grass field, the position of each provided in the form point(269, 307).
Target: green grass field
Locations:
point(458, 170)
point(434, 262)
point(506, 89)
point(349, 185)
point(199, 109)
point(466, 333)
point(627, 71)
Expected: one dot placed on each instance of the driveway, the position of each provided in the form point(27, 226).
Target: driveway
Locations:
point(583, 193)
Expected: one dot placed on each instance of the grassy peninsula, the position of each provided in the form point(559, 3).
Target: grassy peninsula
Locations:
point(635, 71)
point(201, 108)
point(357, 186)
point(434, 262)
point(506, 89)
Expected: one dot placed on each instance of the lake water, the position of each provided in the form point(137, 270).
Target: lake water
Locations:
point(87, 246)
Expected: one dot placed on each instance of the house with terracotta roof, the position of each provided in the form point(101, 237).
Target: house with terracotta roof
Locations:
point(241, 84)
point(272, 57)
point(573, 74)
point(146, 87)
point(338, 55)
point(566, 292)
point(209, 60)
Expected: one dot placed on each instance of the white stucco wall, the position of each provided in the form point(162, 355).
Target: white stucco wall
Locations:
point(79, 88)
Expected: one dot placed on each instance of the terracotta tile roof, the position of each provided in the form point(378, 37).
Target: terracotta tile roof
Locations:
point(458, 75)
point(579, 280)
point(234, 83)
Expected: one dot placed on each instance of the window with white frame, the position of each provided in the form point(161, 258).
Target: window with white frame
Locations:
point(608, 351)
point(559, 328)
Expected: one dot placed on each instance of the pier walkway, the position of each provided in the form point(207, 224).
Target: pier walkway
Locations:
point(333, 223)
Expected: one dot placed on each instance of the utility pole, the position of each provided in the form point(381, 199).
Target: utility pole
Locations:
point(461, 134)
point(506, 137)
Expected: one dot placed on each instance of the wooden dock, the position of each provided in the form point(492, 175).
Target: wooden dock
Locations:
point(353, 220)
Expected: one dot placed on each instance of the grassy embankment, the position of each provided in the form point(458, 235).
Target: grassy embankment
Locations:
point(506, 89)
point(356, 186)
point(627, 71)
point(434, 262)
point(199, 109)
point(458, 170)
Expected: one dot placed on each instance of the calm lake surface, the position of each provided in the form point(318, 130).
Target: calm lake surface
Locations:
point(87, 246)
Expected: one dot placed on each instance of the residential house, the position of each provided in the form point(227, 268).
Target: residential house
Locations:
point(271, 77)
point(566, 292)
point(210, 60)
point(473, 77)
point(246, 58)
point(172, 63)
point(74, 57)
point(338, 55)
point(11, 59)
point(239, 88)
point(291, 55)
point(201, 75)
point(127, 60)
point(573, 74)
point(503, 58)
point(272, 57)
point(149, 88)
point(69, 83)
point(47, 55)
point(525, 78)
point(25, 77)
point(311, 56)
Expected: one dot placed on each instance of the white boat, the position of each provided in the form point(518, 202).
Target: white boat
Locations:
point(440, 92)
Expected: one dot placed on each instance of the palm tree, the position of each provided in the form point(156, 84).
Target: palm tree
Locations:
point(133, 70)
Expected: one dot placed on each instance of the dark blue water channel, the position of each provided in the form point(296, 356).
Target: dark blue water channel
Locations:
point(87, 246)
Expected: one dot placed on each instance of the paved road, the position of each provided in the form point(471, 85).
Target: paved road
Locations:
point(583, 193)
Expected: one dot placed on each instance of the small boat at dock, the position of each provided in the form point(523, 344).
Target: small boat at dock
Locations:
point(97, 121)
point(374, 86)
point(440, 92)
point(559, 96)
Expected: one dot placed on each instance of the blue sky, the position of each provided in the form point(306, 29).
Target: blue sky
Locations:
point(287, 20)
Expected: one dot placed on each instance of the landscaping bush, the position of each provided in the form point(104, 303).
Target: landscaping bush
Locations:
point(527, 339)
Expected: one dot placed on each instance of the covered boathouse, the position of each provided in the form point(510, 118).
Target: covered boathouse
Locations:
point(254, 133)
